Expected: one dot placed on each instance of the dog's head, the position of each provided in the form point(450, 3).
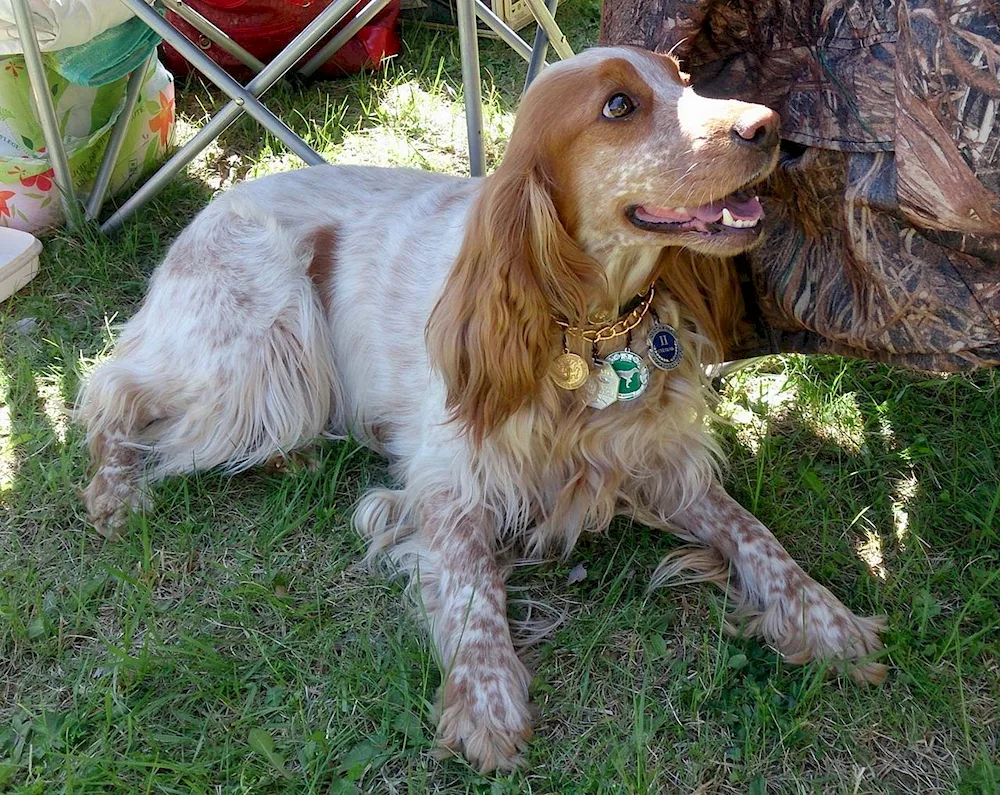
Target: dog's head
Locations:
point(612, 155)
point(634, 157)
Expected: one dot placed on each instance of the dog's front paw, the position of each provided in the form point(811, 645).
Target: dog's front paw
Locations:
point(812, 624)
point(485, 714)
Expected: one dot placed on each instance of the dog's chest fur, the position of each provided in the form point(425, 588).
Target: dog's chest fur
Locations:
point(575, 467)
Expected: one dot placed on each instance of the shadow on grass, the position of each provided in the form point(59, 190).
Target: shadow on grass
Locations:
point(885, 485)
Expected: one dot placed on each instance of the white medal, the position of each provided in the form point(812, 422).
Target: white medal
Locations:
point(601, 389)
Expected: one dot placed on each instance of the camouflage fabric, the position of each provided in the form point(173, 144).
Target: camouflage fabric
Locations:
point(883, 219)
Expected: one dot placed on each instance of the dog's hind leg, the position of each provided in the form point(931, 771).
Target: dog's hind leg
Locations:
point(115, 407)
point(228, 363)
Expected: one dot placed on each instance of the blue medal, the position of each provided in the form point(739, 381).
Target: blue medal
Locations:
point(665, 350)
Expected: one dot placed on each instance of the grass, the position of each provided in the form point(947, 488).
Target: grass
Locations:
point(232, 643)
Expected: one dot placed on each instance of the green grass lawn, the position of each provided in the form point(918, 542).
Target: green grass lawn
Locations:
point(231, 641)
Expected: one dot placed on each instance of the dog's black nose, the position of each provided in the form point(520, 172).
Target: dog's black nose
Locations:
point(757, 127)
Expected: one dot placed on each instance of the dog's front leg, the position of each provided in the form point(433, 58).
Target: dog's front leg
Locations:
point(483, 701)
point(782, 603)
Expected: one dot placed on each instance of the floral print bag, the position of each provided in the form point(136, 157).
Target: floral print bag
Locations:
point(29, 199)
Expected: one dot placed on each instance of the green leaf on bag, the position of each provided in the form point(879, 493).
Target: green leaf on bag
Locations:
point(152, 156)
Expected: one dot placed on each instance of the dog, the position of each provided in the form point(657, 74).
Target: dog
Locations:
point(527, 349)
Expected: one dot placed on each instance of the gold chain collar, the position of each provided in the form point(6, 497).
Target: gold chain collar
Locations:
point(620, 327)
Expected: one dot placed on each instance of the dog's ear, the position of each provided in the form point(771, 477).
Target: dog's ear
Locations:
point(492, 335)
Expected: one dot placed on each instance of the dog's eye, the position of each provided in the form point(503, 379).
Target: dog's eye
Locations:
point(620, 106)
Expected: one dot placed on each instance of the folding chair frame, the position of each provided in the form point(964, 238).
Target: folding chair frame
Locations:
point(245, 99)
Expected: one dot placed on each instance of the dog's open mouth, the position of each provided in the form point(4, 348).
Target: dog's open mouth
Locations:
point(737, 212)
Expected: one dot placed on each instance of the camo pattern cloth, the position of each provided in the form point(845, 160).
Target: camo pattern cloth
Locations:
point(883, 219)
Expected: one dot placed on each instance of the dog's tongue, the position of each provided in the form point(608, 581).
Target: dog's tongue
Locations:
point(740, 209)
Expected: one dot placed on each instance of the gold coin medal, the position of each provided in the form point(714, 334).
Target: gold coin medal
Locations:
point(632, 372)
point(622, 376)
point(570, 371)
point(664, 349)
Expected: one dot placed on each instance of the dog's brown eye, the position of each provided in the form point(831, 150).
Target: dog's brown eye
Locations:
point(619, 107)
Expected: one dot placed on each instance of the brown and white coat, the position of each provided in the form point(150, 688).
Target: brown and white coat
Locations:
point(418, 312)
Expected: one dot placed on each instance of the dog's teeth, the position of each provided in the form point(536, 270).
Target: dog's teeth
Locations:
point(728, 220)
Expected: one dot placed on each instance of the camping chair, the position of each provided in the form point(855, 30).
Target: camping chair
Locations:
point(245, 99)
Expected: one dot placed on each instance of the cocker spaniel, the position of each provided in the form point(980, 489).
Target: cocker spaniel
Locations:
point(527, 349)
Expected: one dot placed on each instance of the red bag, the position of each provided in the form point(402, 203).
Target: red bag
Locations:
point(265, 27)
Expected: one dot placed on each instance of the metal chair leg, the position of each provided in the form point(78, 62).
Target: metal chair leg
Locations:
point(468, 42)
point(539, 49)
point(110, 159)
point(503, 30)
point(46, 112)
point(547, 21)
point(244, 98)
point(221, 78)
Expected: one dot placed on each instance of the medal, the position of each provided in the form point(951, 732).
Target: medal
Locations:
point(601, 389)
point(569, 371)
point(633, 375)
point(665, 349)
point(623, 375)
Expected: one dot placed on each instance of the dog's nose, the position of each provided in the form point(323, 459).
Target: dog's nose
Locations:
point(758, 127)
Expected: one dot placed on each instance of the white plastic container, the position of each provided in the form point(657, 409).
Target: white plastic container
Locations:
point(18, 260)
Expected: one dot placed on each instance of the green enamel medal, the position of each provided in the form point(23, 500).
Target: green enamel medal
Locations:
point(632, 372)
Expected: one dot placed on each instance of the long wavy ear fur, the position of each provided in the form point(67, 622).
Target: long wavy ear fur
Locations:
point(491, 334)
point(709, 288)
